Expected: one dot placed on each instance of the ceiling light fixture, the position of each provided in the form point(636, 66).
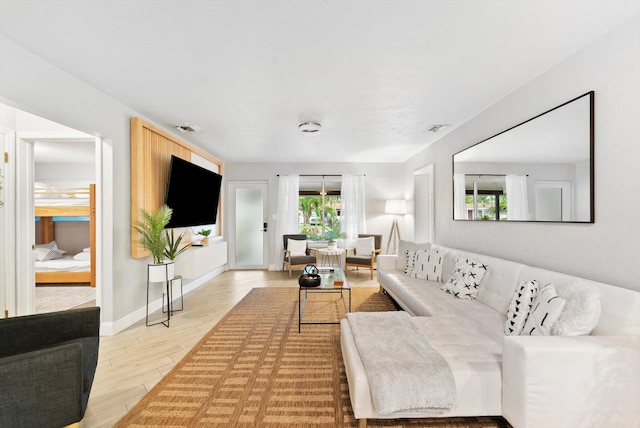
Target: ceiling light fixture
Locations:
point(436, 128)
point(309, 127)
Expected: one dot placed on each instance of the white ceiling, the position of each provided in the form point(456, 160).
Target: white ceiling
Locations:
point(376, 74)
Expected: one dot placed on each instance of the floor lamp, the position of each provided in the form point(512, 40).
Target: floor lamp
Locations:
point(395, 207)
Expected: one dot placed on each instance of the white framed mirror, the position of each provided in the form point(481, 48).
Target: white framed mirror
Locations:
point(540, 170)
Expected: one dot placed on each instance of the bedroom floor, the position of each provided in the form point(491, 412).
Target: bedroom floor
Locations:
point(58, 298)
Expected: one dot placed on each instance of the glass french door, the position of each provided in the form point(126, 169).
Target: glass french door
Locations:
point(248, 225)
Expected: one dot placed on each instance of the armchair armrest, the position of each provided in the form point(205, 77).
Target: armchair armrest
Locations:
point(44, 385)
point(585, 381)
point(32, 332)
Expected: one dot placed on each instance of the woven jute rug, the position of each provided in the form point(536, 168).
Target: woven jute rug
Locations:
point(254, 369)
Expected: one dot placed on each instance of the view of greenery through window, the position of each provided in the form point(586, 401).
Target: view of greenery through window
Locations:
point(311, 221)
point(490, 206)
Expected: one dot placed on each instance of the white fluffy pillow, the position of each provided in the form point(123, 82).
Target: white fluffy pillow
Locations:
point(467, 275)
point(403, 247)
point(520, 307)
point(581, 311)
point(297, 247)
point(426, 264)
point(85, 255)
point(365, 246)
point(546, 309)
point(48, 251)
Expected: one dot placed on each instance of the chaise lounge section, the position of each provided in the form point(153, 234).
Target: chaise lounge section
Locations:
point(532, 381)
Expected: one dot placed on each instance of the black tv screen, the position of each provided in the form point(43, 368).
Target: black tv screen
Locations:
point(193, 194)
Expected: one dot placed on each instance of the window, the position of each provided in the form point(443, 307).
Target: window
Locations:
point(486, 197)
point(319, 207)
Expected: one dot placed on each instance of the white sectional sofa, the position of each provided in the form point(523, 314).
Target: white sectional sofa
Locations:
point(532, 381)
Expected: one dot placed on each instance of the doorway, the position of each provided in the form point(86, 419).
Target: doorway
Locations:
point(424, 204)
point(248, 224)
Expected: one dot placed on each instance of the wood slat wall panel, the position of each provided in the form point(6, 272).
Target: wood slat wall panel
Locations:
point(151, 150)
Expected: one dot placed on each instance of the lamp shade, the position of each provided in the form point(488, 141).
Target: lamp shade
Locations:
point(395, 206)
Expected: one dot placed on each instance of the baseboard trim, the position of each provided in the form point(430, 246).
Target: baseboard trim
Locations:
point(111, 328)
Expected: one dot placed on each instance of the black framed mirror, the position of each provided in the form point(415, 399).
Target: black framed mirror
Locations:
point(540, 170)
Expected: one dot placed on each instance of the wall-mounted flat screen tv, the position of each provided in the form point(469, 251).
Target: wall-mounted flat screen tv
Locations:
point(193, 193)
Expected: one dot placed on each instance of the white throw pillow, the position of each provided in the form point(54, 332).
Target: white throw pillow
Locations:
point(581, 311)
point(365, 246)
point(297, 247)
point(426, 264)
point(467, 275)
point(546, 309)
point(403, 247)
point(409, 260)
point(83, 256)
point(48, 251)
point(520, 307)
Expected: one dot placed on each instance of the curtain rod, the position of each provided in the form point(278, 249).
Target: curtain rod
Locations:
point(490, 175)
point(318, 175)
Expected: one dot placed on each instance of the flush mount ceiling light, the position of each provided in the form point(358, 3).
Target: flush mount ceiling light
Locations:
point(436, 128)
point(309, 127)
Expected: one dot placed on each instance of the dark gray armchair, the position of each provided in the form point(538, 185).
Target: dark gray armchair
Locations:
point(47, 365)
point(367, 261)
point(296, 261)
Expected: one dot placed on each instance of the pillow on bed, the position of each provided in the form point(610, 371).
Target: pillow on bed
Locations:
point(82, 256)
point(48, 251)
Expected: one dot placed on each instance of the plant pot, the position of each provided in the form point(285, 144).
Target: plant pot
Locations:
point(204, 241)
point(332, 245)
point(161, 272)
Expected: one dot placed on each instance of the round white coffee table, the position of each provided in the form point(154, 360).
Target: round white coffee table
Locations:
point(330, 257)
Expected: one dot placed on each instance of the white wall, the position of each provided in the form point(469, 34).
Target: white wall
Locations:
point(607, 250)
point(34, 85)
point(382, 182)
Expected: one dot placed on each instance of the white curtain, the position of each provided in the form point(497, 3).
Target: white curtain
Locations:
point(287, 214)
point(459, 198)
point(352, 209)
point(517, 200)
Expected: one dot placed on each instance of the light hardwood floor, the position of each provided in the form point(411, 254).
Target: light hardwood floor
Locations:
point(133, 361)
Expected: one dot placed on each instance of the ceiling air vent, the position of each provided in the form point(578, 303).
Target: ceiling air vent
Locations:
point(186, 128)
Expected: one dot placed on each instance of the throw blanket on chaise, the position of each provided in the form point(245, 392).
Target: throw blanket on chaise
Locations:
point(404, 372)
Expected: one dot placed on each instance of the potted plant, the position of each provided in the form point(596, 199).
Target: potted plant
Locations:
point(173, 248)
point(151, 226)
point(205, 233)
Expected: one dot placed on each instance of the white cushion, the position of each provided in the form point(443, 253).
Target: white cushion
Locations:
point(520, 307)
point(403, 247)
point(82, 256)
point(297, 247)
point(466, 278)
point(581, 311)
point(365, 246)
point(546, 309)
point(426, 264)
point(48, 251)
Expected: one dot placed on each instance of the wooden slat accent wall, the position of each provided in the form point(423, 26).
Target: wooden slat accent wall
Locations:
point(151, 150)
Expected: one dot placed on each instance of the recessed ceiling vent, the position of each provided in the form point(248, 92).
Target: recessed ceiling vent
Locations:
point(436, 128)
point(186, 128)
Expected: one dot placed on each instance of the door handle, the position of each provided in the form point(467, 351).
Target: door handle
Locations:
point(264, 226)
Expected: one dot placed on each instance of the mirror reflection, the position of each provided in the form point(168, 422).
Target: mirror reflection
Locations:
point(539, 170)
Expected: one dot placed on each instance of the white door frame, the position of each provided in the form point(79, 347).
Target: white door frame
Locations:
point(231, 216)
point(8, 226)
point(424, 220)
point(25, 231)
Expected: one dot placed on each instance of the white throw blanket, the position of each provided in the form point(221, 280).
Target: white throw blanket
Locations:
point(404, 372)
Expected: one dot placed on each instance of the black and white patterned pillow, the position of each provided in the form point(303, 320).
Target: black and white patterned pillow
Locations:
point(426, 264)
point(546, 309)
point(409, 261)
point(467, 275)
point(520, 307)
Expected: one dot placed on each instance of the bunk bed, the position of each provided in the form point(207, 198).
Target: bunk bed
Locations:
point(53, 202)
